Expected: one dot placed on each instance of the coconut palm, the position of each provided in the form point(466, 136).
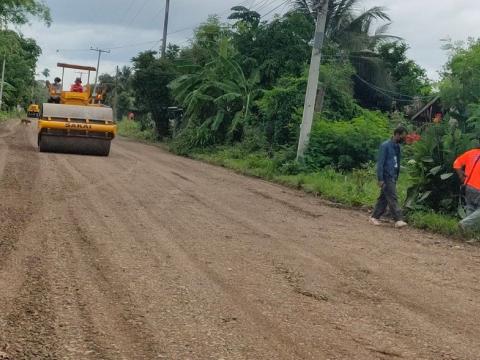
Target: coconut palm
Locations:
point(346, 25)
point(353, 32)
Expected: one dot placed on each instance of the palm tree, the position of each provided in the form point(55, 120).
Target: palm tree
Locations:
point(346, 26)
point(353, 32)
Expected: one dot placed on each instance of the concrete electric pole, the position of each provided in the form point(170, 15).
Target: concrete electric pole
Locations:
point(100, 51)
point(314, 73)
point(115, 95)
point(3, 78)
point(165, 29)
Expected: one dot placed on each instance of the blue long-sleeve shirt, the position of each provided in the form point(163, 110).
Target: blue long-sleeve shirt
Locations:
point(388, 165)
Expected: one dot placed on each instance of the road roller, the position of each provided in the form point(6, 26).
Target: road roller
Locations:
point(76, 121)
point(33, 111)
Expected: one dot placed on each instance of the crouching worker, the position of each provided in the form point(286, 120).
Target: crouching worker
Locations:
point(467, 167)
point(388, 171)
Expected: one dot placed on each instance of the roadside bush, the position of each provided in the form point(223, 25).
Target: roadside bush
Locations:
point(134, 130)
point(435, 185)
point(192, 138)
point(346, 144)
point(278, 110)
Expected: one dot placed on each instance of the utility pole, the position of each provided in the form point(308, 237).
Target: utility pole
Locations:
point(100, 51)
point(165, 29)
point(115, 94)
point(3, 78)
point(314, 73)
point(80, 74)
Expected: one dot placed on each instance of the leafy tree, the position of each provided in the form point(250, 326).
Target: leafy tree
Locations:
point(357, 40)
point(460, 86)
point(275, 49)
point(173, 52)
point(408, 77)
point(40, 92)
point(20, 66)
point(46, 73)
point(125, 92)
point(280, 107)
point(149, 84)
point(434, 184)
point(205, 42)
point(17, 12)
point(351, 29)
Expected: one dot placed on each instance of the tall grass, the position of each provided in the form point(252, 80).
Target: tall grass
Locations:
point(7, 115)
point(132, 129)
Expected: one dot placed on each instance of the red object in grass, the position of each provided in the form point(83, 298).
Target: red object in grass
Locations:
point(413, 138)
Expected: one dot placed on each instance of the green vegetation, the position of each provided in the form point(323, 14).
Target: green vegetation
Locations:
point(234, 97)
point(346, 145)
point(133, 130)
point(17, 12)
point(7, 115)
point(354, 189)
point(435, 186)
point(21, 53)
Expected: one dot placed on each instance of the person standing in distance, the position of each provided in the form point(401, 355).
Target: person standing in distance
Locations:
point(388, 171)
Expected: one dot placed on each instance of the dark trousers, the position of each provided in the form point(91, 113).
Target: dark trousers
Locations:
point(472, 221)
point(388, 198)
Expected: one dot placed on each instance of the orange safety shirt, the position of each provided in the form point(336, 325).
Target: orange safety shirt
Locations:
point(470, 162)
point(76, 88)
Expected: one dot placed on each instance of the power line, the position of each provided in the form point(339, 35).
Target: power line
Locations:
point(386, 92)
point(244, 3)
point(133, 45)
point(124, 17)
point(263, 4)
point(275, 8)
point(138, 12)
point(158, 13)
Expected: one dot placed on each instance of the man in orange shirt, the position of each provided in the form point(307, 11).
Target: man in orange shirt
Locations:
point(77, 86)
point(467, 167)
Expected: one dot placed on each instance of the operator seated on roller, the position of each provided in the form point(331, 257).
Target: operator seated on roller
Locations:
point(77, 86)
point(55, 90)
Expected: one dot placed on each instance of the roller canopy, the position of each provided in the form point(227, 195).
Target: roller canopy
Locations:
point(77, 67)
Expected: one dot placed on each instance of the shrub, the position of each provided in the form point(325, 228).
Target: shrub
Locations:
point(346, 144)
point(281, 107)
point(278, 109)
point(192, 138)
point(435, 186)
point(133, 130)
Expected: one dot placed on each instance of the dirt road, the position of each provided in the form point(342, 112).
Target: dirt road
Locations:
point(144, 255)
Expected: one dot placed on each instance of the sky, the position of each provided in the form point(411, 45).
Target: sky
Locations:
point(127, 27)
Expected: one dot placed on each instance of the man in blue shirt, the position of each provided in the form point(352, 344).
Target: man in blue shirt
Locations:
point(388, 170)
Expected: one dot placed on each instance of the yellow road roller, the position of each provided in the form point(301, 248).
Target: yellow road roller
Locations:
point(33, 111)
point(76, 121)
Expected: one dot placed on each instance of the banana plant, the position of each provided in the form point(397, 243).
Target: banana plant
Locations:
point(218, 95)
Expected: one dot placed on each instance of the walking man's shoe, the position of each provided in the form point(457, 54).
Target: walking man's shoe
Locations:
point(374, 221)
